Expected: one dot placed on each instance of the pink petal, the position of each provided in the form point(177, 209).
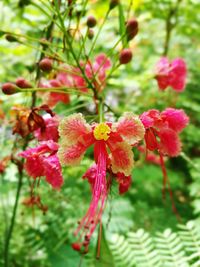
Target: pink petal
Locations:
point(176, 119)
point(150, 140)
point(34, 166)
point(51, 130)
point(162, 73)
point(52, 171)
point(170, 144)
point(122, 158)
point(103, 60)
point(149, 117)
point(178, 74)
point(54, 98)
point(34, 157)
point(71, 155)
point(73, 128)
point(90, 174)
point(162, 66)
point(130, 128)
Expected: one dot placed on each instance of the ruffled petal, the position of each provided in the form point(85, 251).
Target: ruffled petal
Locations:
point(176, 119)
point(130, 128)
point(52, 171)
point(51, 129)
point(162, 73)
point(73, 128)
point(71, 155)
point(149, 117)
point(170, 144)
point(178, 74)
point(150, 140)
point(122, 158)
point(34, 166)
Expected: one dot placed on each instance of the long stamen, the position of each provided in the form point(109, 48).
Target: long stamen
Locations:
point(99, 194)
point(165, 183)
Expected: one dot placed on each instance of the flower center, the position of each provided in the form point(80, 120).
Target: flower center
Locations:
point(101, 131)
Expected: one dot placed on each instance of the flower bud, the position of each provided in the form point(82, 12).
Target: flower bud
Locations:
point(46, 64)
point(9, 88)
point(22, 83)
point(131, 29)
point(90, 34)
point(76, 246)
point(91, 22)
point(11, 38)
point(125, 56)
point(113, 3)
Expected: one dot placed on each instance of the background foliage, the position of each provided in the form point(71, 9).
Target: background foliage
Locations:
point(139, 228)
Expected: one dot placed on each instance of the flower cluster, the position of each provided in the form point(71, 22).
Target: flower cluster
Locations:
point(162, 130)
point(112, 142)
point(72, 78)
point(43, 161)
point(171, 74)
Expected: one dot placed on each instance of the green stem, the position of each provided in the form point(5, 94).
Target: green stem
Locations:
point(63, 90)
point(11, 227)
point(101, 114)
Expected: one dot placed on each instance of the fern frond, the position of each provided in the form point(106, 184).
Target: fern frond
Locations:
point(190, 236)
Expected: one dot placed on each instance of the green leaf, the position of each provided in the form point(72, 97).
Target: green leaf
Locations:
point(122, 28)
point(106, 258)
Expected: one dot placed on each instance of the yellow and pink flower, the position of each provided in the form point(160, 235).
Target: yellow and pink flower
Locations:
point(112, 153)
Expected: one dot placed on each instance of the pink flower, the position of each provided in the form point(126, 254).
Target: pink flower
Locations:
point(50, 132)
point(171, 74)
point(162, 130)
point(76, 136)
point(53, 98)
point(161, 135)
point(43, 161)
point(95, 72)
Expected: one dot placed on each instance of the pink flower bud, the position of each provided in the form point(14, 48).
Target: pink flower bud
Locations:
point(22, 83)
point(46, 64)
point(91, 22)
point(125, 56)
point(131, 28)
point(9, 88)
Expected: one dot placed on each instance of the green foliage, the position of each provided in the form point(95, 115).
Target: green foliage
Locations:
point(138, 249)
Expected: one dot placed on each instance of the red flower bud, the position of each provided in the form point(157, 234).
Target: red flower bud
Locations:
point(46, 64)
point(90, 34)
point(9, 88)
point(91, 22)
point(113, 3)
point(131, 29)
point(22, 83)
point(125, 56)
point(76, 246)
